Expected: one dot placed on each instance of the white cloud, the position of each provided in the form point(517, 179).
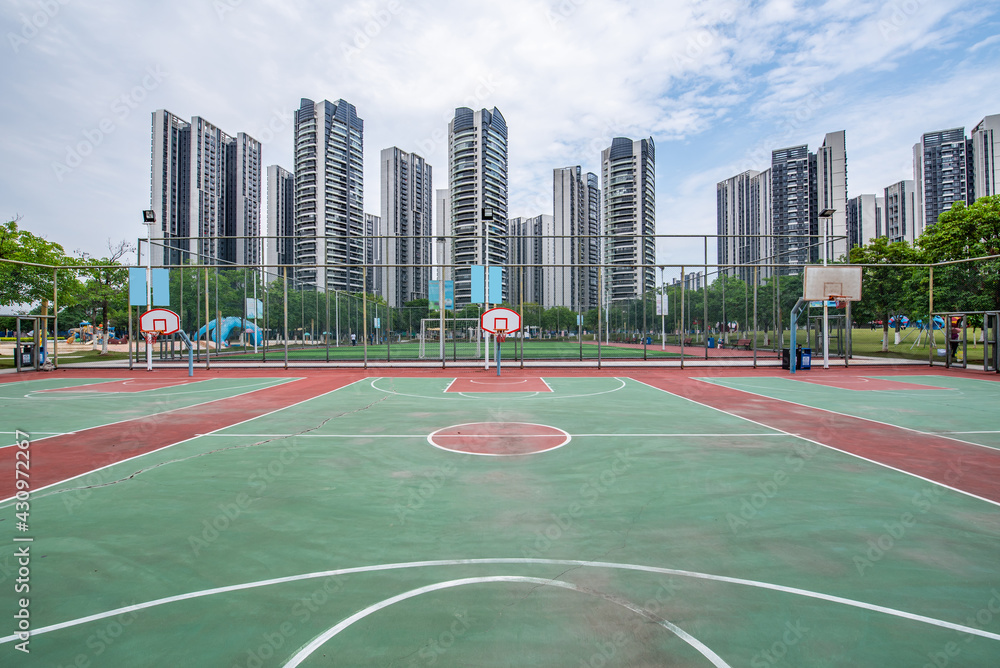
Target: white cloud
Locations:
point(717, 83)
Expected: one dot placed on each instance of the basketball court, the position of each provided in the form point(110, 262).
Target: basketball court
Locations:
point(557, 517)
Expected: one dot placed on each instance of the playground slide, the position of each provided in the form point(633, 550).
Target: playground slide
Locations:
point(226, 329)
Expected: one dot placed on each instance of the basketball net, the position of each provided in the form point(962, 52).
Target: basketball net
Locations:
point(501, 335)
point(151, 337)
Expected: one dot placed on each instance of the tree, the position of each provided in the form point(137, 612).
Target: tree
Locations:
point(106, 287)
point(888, 290)
point(24, 283)
point(961, 233)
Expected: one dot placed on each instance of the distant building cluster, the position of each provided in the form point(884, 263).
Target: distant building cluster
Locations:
point(206, 193)
point(779, 216)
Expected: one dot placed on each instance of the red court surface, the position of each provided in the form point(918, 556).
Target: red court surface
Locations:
point(59, 458)
point(498, 384)
point(130, 385)
point(499, 439)
point(867, 384)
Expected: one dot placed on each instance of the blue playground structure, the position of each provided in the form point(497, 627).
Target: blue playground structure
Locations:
point(226, 329)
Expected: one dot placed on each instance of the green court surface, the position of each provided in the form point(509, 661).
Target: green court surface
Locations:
point(340, 532)
point(962, 408)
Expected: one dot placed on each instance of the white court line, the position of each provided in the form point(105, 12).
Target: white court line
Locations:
point(164, 385)
point(453, 381)
point(142, 417)
point(516, 560)
point(321, 639)
point(431, 436)
point(619, 434)
point(833, 412)
point(969, 432)
point(827, 445)
point(541, 396)
point(159, 392)
point(514, 381)
point(101, 468)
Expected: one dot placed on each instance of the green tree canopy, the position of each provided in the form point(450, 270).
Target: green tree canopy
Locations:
point(24, 283)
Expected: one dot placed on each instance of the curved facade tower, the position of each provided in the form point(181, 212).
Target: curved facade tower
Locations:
point(628, 179)
point(329, 195)
point(477, 180)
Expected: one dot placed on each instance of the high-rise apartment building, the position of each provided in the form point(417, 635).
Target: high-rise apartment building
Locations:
point(525, 275)
point(985, 143)
point(743, 215)
point(941, 166)
point(572, 249)
point(628, 180)
point(900, 211)
point(477, 181)
point(831, 192)
point(329, 195)
point(280, 219)
point(793, 207)
point(406, 229)
point(865, 219)
point(205, 190)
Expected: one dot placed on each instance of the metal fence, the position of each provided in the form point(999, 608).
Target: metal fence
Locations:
point(706, 314)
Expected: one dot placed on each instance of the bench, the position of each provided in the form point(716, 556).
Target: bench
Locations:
point(744, 344)
point(687, 341)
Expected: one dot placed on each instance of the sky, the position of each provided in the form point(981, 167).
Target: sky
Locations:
point(717, 84)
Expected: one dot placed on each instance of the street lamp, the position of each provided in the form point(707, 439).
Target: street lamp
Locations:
point(826, 215)
point(149, 219)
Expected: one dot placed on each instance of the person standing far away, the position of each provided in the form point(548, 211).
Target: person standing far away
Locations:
point(954, 338)
point(354, 339)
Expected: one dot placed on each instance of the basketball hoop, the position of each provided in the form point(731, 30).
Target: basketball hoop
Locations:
point(501, 335)
point(841, 300)
point(151, 336)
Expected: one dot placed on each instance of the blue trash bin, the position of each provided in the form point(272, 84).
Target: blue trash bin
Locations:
point(806, 362)
point(711, 342)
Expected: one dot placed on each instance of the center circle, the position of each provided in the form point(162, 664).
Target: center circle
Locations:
point(499, 439)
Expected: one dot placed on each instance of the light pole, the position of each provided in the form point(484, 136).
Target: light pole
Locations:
point(825, 215)
point(148, 219)
point(488, 221)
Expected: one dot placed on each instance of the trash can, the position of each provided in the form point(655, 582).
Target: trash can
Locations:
point(649, 340)
point(27, 355)
point(803, 358)
point(711, 342)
